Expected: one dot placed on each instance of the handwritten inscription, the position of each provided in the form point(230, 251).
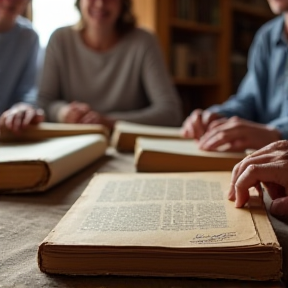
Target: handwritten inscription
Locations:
point(213, 238)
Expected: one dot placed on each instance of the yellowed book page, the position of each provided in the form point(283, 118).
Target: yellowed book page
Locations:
point(49, 130)
point(159, 210)
point(140, 129)
point(183, 147)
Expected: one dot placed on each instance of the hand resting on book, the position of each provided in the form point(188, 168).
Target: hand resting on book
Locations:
point(239, 133)
point(213, 131)
point(81, 113)
point(20, 116)
point(268, 166)
point(196, 125)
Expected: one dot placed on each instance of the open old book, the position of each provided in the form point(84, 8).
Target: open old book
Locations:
point(49, 130)
point(36, 166)
point(125, 134)
point(176, 224)
point(171, 155)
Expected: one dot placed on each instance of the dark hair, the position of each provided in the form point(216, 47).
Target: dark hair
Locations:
point(126, 21)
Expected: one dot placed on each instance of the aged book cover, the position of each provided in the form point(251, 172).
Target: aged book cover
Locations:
point(49, 130)
point(171, 155)
point(36, 166)
point(125, 134)
point(176, 224)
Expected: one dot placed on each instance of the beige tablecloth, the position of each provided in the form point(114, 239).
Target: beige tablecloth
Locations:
point(25, 220)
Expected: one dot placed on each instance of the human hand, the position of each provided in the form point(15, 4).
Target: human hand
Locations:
point(197, 123)
point(20, 116)
point(240, 134)
point(81, 113)
point(73, 112)
point(93, 117)
point(268, 166)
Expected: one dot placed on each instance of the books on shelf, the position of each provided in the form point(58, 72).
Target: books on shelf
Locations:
point(176, 224)
point(49, 130)
point(172, 155)
point(37, 166)
point(181, 59)
point(194, 58)
point(125, 134)
point(197, 11)
point(251, 4)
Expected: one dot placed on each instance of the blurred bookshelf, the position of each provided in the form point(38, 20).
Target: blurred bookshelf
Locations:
point(205, 43)
point(259, 9)
point(247, 18)
point(28, 11)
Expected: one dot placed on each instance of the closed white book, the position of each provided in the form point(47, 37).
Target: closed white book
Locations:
point(37, 166)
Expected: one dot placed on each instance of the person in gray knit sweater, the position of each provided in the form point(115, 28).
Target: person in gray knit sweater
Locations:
point(104, 69)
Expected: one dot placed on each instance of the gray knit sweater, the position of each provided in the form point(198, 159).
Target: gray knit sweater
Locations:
point(128, 82)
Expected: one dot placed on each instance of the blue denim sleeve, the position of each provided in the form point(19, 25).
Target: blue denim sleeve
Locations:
point(27, 90)
point(244, 103)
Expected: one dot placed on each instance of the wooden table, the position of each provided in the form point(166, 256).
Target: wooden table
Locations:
point(25, 220)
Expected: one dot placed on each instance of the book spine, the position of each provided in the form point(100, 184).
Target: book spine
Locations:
point(180, 60)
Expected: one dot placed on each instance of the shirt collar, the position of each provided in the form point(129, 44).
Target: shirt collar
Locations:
point(278, 35)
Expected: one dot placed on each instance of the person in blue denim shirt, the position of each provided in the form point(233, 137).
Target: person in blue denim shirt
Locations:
point(258, 114)
point(18, 55)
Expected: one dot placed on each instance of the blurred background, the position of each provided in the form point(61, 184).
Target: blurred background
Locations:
point(204, 42)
